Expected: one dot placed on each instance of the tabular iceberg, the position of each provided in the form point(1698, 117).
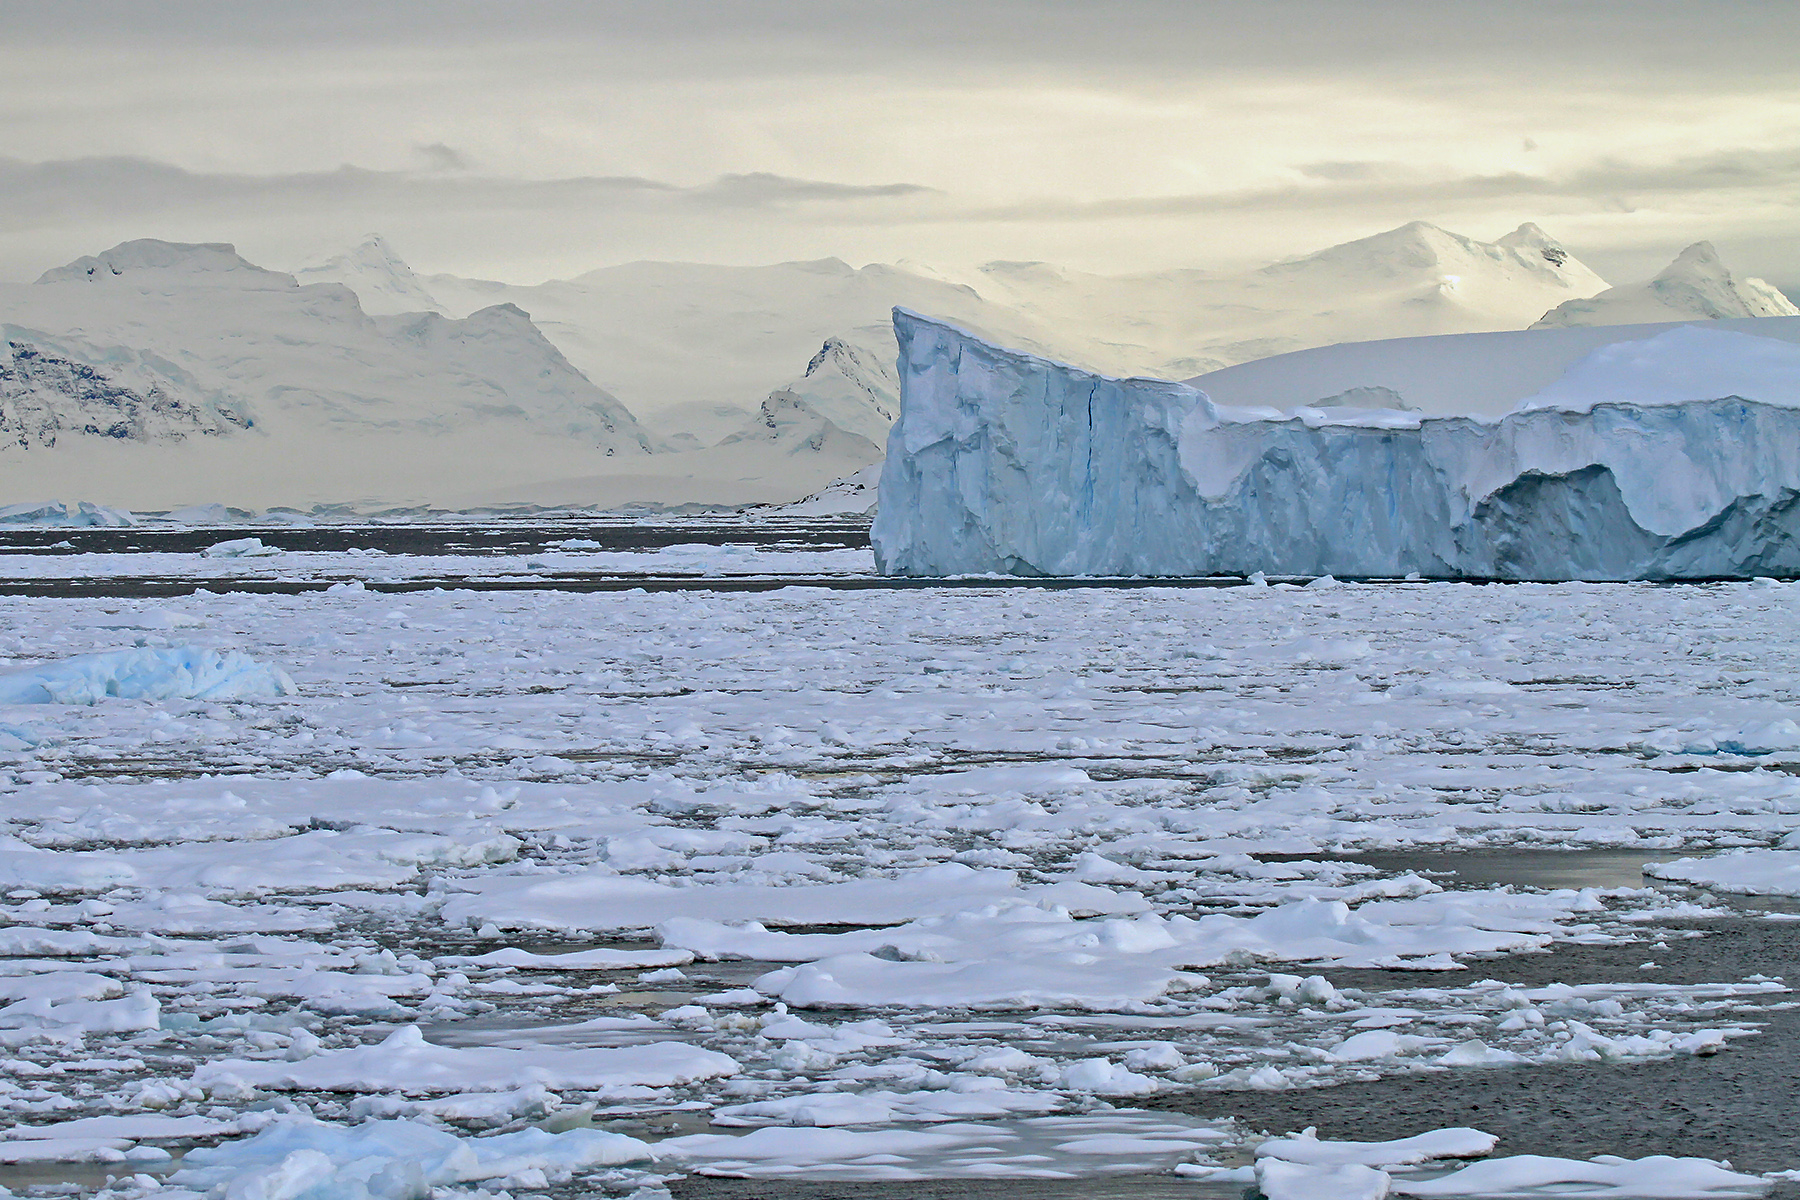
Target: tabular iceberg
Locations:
point(1004, 462)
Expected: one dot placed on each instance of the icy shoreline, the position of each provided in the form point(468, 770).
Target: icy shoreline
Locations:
point(1006, 462)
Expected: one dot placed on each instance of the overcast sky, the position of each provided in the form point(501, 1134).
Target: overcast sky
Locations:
point(524, 141)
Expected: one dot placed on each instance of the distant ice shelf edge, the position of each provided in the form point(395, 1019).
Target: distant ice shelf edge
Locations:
point(1005, 463)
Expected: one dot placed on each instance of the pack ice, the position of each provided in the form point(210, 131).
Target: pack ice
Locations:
point(1673, 457)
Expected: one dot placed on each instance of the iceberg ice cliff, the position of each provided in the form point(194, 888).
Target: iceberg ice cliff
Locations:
point(1004, 462)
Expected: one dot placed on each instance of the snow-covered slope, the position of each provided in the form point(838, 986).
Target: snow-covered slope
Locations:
point(1006, 462)
point(1414, 280)
point(852, 496)
point(695, 349)
point(1473, 373)
point(788, 424)
point(380, 278)
point(676, 341)
point(1695, 286)
point(161, 374)
point(197, 329)
point(852, 386)
point(50, 392)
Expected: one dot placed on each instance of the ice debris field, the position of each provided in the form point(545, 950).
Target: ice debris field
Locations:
point(453, 893)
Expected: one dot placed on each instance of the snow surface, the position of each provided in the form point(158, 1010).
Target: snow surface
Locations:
point(1038, 854)
point(1007, 463)
point(1479, 374)
point(406, 1063)
point(853, 495)
point(391, 1160)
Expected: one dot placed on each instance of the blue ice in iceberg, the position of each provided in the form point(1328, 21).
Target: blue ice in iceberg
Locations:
point(148, 673)
point(1006, 463)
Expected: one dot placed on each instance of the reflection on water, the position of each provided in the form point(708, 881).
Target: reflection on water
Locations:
point(1524, 868)
point(1553, 869)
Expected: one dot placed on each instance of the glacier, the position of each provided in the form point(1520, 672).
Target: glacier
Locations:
point(1003, 462)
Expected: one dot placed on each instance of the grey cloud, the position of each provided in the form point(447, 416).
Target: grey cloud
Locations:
point(1611, 184)
point(1725, 169)
point(761, 188)
point(123, 187)
point(439, 157)
point(1345, 172)
point(1150, 39)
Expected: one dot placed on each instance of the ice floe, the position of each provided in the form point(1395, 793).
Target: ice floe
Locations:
point(393, 1160)
point(1745, 872)
point(149, 673)
point(407, 1064)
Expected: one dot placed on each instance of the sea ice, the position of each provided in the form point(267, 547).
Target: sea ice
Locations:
point(1307, 1147)
point(409, 1065)
point(1303, 1167)
point(1655, 1177)
point(148, 673)
point(1280, 1180)
point(1025, 1147)
point(392, 1160)
point(1744, 872)
point(606, 900)
point(1051, 806)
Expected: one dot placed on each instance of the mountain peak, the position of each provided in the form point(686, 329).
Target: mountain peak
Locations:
point(381, 279)
point(1528, 239)
point(1699, 261)
point(212, 263)
point(1412, 247)
point(1697, 285)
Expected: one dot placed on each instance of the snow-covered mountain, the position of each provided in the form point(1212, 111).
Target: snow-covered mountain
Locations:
point(854, 387)
point(1411, 281)
point(47, 395)
point(381, 280)
point(198, 328)
point(160, 374)
point(695, 349)
point(180, 374)
point(1695, 286)
point(840, 409)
